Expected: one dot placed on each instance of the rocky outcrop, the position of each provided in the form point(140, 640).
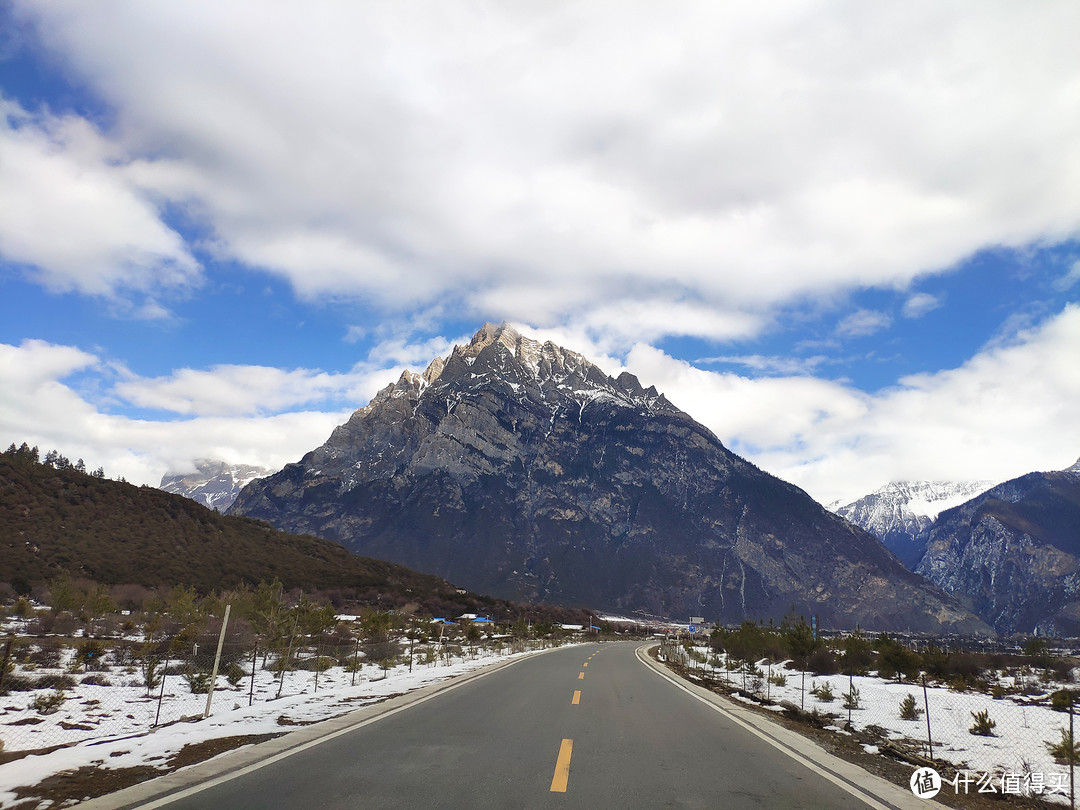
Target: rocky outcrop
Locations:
point(521, 469)
point(1013, 553)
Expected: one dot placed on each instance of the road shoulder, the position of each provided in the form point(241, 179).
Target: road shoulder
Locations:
point(871, 789)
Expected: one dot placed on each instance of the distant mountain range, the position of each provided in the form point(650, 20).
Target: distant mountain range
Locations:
point(214, 483)
point(899, 511)
point(521, 469)
point(1013, 553)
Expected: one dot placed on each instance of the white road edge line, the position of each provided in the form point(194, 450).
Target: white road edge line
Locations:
point(817, 767)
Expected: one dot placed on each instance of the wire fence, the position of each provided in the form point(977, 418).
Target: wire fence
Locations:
point(1009, 734)
point(60, 691)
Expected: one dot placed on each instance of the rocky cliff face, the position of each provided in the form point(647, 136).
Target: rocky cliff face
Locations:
point(522, 470)
point(214, 483)
point(897, 513)
point(1013, 553)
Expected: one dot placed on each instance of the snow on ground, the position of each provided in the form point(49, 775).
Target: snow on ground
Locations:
point(1018, 747)
point(129, 744)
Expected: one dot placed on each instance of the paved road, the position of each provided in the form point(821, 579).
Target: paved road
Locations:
point(580, 727)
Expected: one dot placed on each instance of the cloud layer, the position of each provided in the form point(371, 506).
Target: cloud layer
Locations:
point(1001, 414)
point(997, 416)
point(580, 163)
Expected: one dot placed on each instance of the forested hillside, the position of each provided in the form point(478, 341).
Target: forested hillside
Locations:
point(64, 520)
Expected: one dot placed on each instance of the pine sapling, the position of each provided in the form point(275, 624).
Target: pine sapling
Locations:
point(1066, 752)
point(909, 709)
point(983, 726)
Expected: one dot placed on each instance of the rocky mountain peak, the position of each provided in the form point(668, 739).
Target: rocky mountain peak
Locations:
point(518, 467)
point(1075, 468)
point(527, 369)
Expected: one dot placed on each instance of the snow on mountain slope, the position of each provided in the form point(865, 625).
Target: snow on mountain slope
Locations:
point(214, 483)
point(898, 511)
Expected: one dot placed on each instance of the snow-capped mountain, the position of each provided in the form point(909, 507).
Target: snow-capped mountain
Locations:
point(214, 483)
point(519, 468)
point(897, 512)
point(1013, 553)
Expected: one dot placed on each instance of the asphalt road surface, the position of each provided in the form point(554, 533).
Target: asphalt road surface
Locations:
point(588, 726)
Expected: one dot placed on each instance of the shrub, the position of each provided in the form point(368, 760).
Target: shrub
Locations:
point(1059, 700)
point(824, 693)
point(234, 673)
point(983, 726)
point(778, 679)
point(17, 683)
point(909, 709)
point(55, 682)
point(851, 698)
point(822, 662)
point(958, 684)
point(319, 663)
point(151, 673)
point(1066, 752)
point(90, 655)
point(95, 679)
point(50, 703)
point(198, 681)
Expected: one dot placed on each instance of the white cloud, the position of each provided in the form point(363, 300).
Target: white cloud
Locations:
point(68, 212)
point(919, 304)
point(863, 322)
point(798, 366)
point(1069, 280)
point(1003, 413)
point(40, 408)
point(237, 390)
point(492, 157)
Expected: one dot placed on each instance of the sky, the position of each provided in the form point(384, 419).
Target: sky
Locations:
point(842, 235)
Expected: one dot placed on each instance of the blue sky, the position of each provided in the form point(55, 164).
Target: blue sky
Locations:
point(844, 236)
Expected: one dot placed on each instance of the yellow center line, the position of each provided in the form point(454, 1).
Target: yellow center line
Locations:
point(577, 698)
point(585, 664)
point(581, 676)
point(562, 767)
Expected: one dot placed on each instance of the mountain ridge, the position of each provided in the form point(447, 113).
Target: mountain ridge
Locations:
point(899, 511)
point(522, 469)
point(1013, 552)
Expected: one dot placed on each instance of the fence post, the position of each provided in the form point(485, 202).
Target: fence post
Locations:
point(926, 704)
point(802, 689)
point(356, 661)
point(851, 696)
point(1072, 748)
point(217, 660)
point(288, 655)
point(4, 665)
point(254, 657)
point(161, 693)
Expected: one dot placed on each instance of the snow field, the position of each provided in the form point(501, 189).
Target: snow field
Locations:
point(110, 726)
point(1023, 723)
